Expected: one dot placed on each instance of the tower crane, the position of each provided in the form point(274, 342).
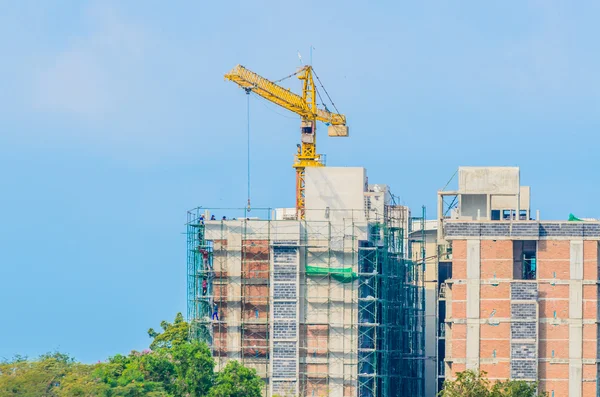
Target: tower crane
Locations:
point(304, 105)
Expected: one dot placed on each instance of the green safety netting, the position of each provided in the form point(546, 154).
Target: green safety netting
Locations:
point(573, 218)
point(341, 274)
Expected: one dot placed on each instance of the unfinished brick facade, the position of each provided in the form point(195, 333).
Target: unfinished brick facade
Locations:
point(523, 303)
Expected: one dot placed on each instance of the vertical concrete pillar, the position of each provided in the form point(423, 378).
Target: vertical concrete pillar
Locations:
point(576, 319)
point(473, 285)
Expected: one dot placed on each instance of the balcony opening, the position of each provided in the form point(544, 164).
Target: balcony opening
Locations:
point(524, 260)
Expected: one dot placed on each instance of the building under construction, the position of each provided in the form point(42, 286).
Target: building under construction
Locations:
point(329, 305)
point(518, 296)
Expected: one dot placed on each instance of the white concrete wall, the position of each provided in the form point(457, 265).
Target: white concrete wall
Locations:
point(488, 180)
point(471, 204)
point(341, 189)
point(525, 198)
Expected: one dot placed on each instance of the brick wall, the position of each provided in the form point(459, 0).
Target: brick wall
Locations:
point(284, 330)
point(285, 352)
point(284, 310)
point(534, 230)
point(284, 291)
point(531, 343)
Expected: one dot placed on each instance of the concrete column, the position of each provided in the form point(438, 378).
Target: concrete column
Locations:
point(440, 216)
point(473, 285)
point(576, 319)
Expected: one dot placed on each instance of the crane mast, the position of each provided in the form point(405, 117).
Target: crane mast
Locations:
point(304, 105)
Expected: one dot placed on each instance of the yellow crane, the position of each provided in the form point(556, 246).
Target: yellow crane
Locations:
point(304, 105)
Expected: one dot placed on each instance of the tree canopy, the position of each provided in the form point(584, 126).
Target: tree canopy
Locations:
point(173, 366)
point(475, 384)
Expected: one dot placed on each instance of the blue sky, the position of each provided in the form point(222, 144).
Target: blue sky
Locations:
point(115, 119)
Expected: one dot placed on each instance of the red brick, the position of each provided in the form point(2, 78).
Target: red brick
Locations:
point(497, 249)
point(590, 269)
point(487, 347)
point(589, 371)
point(550, 331)
point(589, 349)
point(588, 389)
point(459, 331)
point(553, 371)
point(500, 291)
point(560, 388)
point(459, 292)
point(459, 249)
point(459, 269)
point(500, 331)
point(590, 331)
point(554, 249)
point(499, 371)
point(590, 250)
point(459, 348)
point(502, 308)
point(558, 269)
point(459, 310)
point(548, 307)
point(560, 347)
point(349, 391)
point(590, 292)
point(496, 268)
point(547, 290)
point(590, 310)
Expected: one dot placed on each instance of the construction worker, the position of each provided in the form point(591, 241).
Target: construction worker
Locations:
point(204, 287)
point(224, 218)
point(204, 257)
point(212, 218)
point(201, 219)
point(215, 314)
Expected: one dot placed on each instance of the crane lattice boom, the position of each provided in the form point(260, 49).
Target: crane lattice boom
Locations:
point(282, 96)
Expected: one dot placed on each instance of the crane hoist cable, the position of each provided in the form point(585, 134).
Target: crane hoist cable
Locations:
point(248, 90)
point(326, 93)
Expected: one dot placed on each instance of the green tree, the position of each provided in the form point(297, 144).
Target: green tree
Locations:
point(175, 366)
point(235, 380)
point(186, 365)
point(194, 369)
point(42, 377)
point(79, 382)
point(475, 384)
point(467, 384)
point(172, 335)
point(515, 388)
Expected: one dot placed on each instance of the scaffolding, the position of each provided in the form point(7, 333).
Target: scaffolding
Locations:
point(317, 307)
